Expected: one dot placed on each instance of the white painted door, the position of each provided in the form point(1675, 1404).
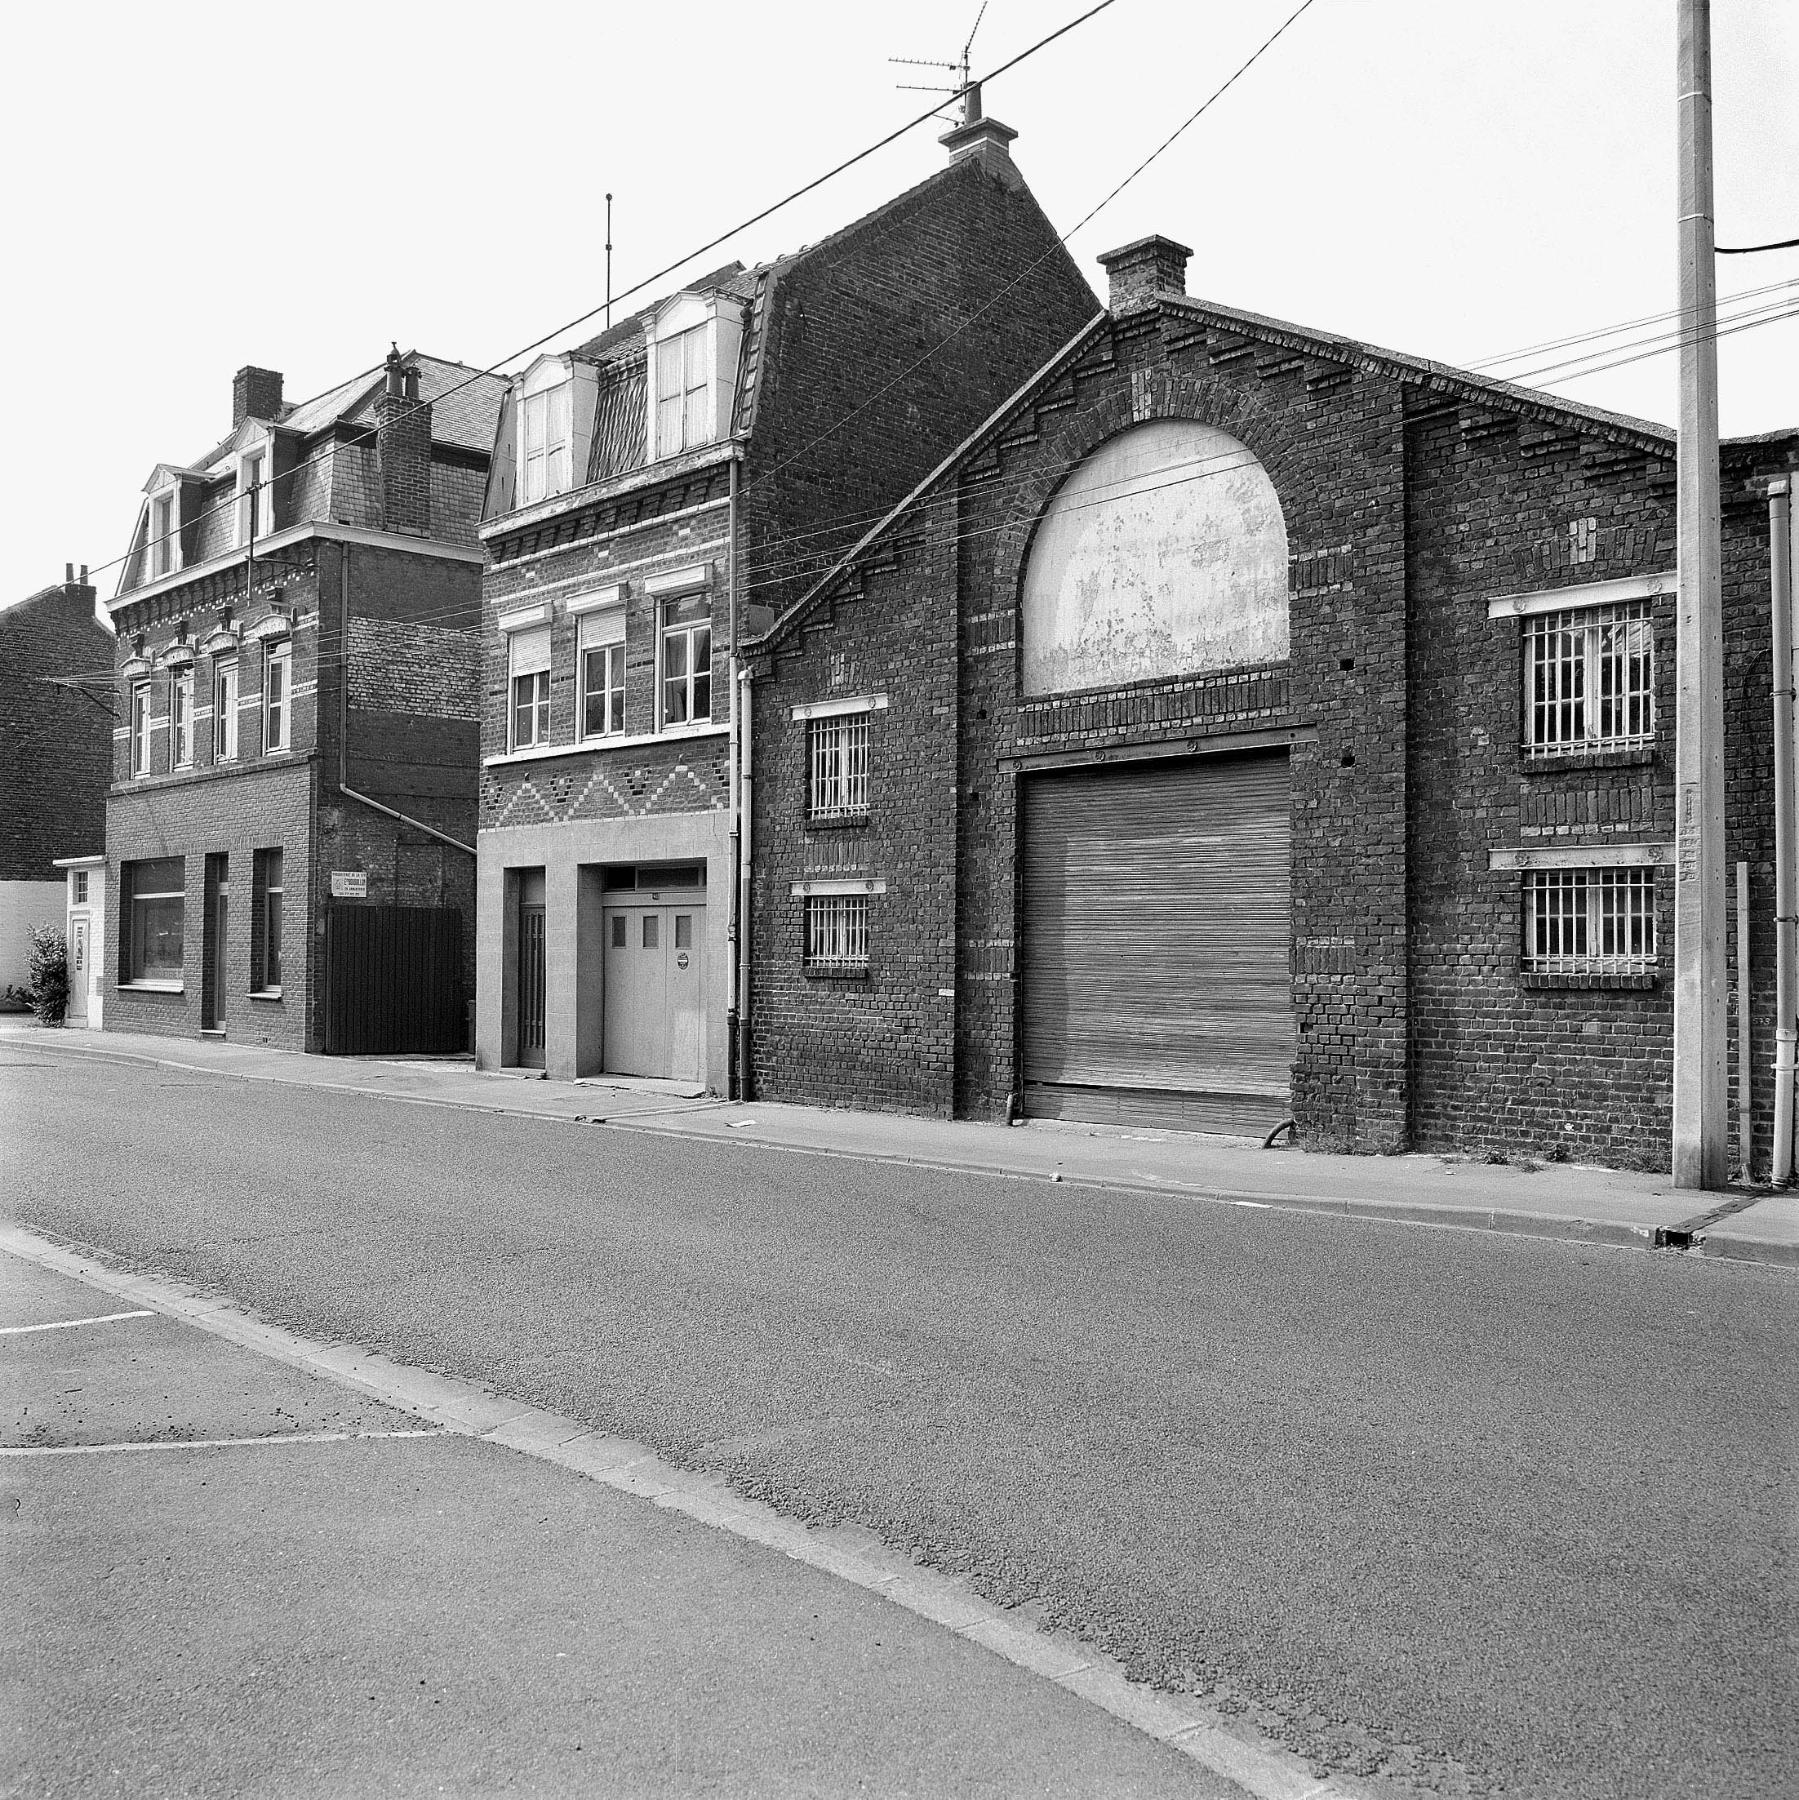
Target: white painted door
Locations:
point(655, 1012)
point(79, 955)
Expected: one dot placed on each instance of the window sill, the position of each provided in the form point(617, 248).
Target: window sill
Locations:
point(814, 973)
point(1634, 981)
point(152, 987)
point(854, 822)
point(1537, 762)
point(264, 994)
point(675, 734)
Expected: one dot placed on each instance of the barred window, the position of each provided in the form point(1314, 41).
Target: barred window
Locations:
point(837, 931)
point(837, 754)
point(1589, 921)
point(1589, 679)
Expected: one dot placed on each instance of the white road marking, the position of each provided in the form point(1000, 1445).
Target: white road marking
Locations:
point(237, 1443)
point(69, 1324)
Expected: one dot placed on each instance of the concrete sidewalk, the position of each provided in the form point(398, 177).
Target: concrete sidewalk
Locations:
point(1554, 1200)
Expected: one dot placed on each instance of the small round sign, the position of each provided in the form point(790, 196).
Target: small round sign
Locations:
point(681, 960)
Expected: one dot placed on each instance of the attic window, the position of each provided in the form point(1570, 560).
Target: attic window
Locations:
point(163, 547)
point(255, 496)
point(683, 392)
point(545, 433)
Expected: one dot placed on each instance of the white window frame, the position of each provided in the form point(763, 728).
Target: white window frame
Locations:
point(546, 404)
point(255, 497)
point(670, 628)
point(602, 643)
point(162, 537)
point(131, 928)
point(224, 707)
point(181, 717)
point(835, 937)
point(277, 712)
point(687, 355)
point(140, 728)
point(1589, 679)
point(837, 766)
point(1589, 919)
point(528, 642)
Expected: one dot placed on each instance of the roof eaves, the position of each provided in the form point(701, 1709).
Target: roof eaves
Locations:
point(1440, 377)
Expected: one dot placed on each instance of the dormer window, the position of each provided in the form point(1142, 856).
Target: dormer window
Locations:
point(255, 497)
point(546, 434)
point(683, 391)
point(693, 372)
point(163, 547)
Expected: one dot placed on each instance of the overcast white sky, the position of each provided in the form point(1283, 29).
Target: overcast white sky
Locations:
point(195, 189)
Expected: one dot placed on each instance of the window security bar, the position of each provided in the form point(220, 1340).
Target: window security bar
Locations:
point(1589, 921)
point(839, 767)
point(1589, 680)
point(837, 931)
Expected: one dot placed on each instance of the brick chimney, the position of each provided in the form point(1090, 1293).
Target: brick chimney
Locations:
point(255, 394)
point(1140, 273)
point(982, 140)
point(403, 437)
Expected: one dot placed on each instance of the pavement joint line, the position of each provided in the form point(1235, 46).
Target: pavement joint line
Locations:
point(234, 1443)
point(920, 1590)
point(70, 1324)
point(1574, 1228)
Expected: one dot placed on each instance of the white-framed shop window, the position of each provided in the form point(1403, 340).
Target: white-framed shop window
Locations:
point(267, 893)
point(684, 661)
point(154, 916)
point(277, 697)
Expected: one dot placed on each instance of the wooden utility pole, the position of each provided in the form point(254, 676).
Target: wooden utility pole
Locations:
point(1701, 1019)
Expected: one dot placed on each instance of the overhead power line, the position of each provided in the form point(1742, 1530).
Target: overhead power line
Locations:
point(1753, 249)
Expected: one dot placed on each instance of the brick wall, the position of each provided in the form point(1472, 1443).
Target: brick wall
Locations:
point(55, 743)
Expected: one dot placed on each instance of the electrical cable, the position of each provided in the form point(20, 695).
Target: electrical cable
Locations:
point(1754, 249)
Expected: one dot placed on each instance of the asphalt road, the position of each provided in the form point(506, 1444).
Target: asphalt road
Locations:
point(225, 1576)
point(1491, 1514)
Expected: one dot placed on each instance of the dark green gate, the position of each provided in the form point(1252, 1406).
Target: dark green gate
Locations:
point(393, 981)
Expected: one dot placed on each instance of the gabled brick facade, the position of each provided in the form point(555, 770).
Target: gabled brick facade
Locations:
point(361, 591)
point(1413, 497)
point(853, 366)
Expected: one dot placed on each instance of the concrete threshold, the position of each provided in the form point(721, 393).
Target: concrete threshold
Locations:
point(1222, 1745)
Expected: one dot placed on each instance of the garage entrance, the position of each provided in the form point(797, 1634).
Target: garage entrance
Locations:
point(655, 975)
point(1156, 933)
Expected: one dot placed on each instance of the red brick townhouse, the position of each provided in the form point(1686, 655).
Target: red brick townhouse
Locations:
point(653, 492)
point(290, 826)
point(1248, 724)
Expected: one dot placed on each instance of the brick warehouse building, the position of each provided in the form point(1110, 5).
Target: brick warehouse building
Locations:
point(750, 426)
point(290, 825)
point(55, 754)
point(1249, 724)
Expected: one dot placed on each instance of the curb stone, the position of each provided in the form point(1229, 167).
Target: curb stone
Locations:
point(1241, 1759)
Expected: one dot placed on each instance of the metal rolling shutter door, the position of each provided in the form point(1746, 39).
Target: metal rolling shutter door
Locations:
point(1157, 926)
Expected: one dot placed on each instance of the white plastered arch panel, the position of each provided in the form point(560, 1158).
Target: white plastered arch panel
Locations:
point(1164, 553)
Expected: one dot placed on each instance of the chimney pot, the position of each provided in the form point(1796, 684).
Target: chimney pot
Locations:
point(1141, 272)
point(68, 574)
point(255, 394)
point(396, 374)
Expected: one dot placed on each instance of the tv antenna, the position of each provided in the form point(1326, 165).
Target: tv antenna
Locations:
point(965, 88)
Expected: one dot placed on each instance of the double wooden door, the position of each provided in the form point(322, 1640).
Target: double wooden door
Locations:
point(655, 990)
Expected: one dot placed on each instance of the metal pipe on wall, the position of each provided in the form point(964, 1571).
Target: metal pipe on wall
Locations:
point(1786, 874)
point(1745, 1120)
point(745, 816)
point(734, 932)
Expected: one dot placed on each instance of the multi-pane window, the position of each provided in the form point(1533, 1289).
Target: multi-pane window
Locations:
point(253, 509)
point(1589, 921)
point(603, 673)
point(162, 535)
point(529, 658)
point(837, 931)
point(837, 756)
point(687, 661)
point(1589, 679)
point(181, 718)
point(277, 701)
point(265, 925)
point(224, 708)
point(683, 392)
point(140, 728)
point(154, 910)
point(544, 432)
